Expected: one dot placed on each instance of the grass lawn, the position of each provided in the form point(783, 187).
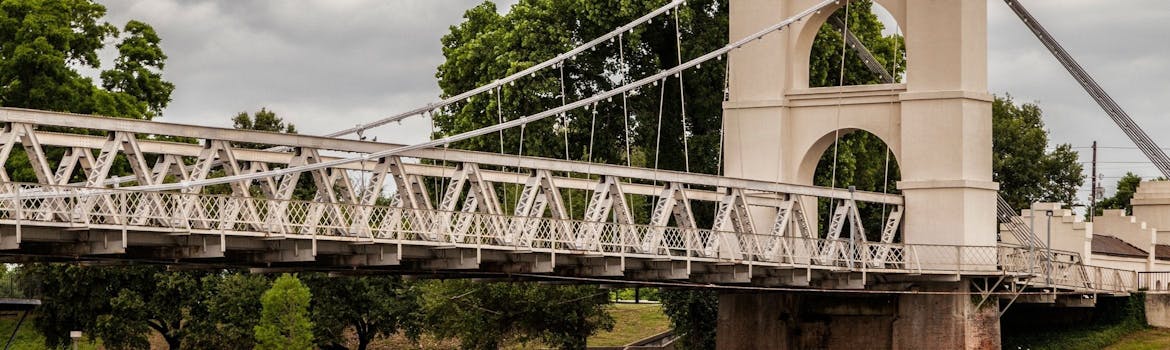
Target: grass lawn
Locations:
point(1149, 339)
point(27, 337)
point(632, 322)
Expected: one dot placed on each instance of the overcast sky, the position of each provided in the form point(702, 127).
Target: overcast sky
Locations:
point(327, 64)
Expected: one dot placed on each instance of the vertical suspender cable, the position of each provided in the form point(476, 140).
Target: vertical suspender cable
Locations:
point(589, 159)
point(565, 128)
point(625, 108)
point(722, 128)
point(726, 97)
point(434, 181)
point(890, 124)
point(592, 131)
point(837, 130)
point(564, 115)
point(658, 134)
point(500, 114)
point(681, 92)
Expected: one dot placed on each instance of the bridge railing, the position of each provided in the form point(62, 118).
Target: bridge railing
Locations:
point(213, 214)
point(1065, 270)
point(220, 214)
point(1154, 281)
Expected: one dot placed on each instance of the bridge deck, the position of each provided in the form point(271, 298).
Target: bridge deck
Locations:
point(262, 232)
point(457, 213)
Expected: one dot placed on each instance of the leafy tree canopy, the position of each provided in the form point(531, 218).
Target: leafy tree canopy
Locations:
point(692, 316)
point(231, 314)
point(41, 45)
point(1126, 187)
point(488, 45)
point(485, 316)
point(1027, 171)
point(284, 316)
point(42, 41)
point(370, 306)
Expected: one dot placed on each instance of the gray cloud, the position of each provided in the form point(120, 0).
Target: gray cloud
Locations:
point(1121, 43)
point(326, 65)
point(323, 65)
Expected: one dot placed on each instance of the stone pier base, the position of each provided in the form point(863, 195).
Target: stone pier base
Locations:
point(857, 321)
point(1157, 310)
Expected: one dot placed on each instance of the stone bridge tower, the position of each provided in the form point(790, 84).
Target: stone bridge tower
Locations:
point(938, 126)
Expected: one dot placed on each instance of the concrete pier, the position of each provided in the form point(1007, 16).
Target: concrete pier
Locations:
point(852, 321)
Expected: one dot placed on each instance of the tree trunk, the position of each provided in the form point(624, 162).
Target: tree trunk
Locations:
point(173, 342)
point(334, 346)
point(365, 334)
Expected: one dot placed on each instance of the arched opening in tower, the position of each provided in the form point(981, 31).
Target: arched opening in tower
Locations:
point(863, 161)
point(875, 52)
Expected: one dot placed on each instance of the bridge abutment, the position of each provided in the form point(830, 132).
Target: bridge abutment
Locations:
point(852, 321)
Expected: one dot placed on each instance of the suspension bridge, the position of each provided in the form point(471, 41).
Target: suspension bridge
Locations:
point(945, 236)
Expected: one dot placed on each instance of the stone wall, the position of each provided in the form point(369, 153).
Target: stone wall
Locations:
point(1158, 310)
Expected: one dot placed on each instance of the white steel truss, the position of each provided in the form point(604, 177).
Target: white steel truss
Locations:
point(465, 210)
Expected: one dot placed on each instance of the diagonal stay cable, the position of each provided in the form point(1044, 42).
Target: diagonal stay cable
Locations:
point(1119, 116)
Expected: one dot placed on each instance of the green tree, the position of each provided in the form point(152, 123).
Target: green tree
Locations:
point(39, 40)
point(284, 317)
point(231, 314)
point(1126, 187)
point(42, 43)
point(825, 56)
point(266, 120)
point(1025, 170)
point(138, 69)
point(71, 296)
point(489, 45)
point(104, 300)
point(263, 120)
point(10, 282)
point(371, 306)
point(692, 316)
point(158, 300)
point(486, 316)
point(121, 305)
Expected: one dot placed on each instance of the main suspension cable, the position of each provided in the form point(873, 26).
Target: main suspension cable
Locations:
point(511, 79)
point(515, 76)
point(485, 130)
